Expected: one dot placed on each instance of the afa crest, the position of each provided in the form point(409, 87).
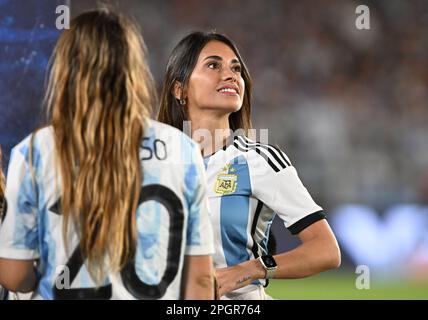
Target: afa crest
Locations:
point(226, 182)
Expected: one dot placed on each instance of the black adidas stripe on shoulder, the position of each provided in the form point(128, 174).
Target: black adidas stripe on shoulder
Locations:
point(271, 148)
point(238, 146)
point(267, 152)
point(263, 151)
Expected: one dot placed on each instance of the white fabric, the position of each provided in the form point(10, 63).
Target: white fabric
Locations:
point(33, 230)
point(248, 184)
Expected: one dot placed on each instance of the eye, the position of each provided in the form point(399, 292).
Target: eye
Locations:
point(237, 68)
point(213, 65)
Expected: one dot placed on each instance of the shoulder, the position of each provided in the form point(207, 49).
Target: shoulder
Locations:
point(167, 133)
point(258, 152)
point(39, 139)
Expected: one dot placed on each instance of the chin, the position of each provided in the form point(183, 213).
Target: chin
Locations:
point(232, 107)
point(226, 108)
point(235, 109)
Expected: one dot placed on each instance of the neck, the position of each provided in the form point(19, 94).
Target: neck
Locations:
point(210, 131)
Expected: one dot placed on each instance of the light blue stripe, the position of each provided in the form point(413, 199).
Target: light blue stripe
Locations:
point(206, 161)
point(264, 244)
point(26, 237)
point(192, 189)
point(41, 238)
point(47, 249)
point(234, 211)
point(148, 253)
point(149, 224)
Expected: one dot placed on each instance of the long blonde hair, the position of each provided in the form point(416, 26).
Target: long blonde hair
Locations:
point(100, 92)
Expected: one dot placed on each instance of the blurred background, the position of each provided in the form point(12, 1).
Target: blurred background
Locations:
point(348, 106)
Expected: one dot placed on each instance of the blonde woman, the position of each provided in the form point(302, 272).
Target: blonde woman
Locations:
point(110, 203)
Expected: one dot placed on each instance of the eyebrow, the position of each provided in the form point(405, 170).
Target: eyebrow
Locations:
point(218, 58)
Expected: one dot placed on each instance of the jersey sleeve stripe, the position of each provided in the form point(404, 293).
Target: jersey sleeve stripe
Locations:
point(306, 222)
point(258, 145)
point(255, 248)
point(259, 151)
point(272, 150)
point(282, 155)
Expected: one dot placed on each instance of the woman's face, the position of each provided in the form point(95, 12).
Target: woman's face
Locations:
point(216, 81)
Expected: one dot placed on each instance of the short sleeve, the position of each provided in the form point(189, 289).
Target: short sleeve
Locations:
point(199, 230)
point(19, 230)
point(277, 184)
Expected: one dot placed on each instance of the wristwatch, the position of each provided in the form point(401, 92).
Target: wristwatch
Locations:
point(269, 263)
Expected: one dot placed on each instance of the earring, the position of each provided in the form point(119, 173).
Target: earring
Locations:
point(183, 102)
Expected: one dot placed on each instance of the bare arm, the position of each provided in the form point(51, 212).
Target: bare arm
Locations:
point(198, 281)
point(318, 252)
point(18, 275)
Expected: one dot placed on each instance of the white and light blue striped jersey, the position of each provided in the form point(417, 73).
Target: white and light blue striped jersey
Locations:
point(172, 220)
point(248, 184)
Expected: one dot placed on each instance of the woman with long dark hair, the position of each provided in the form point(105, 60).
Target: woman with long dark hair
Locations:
point(108, 202)
point(207, 91)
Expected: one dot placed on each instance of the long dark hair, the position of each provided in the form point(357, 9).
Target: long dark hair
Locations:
point(180, 66)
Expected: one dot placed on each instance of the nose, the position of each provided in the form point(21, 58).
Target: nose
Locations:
point(229, 75)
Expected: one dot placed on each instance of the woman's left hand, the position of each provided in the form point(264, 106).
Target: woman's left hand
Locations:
point(238, 276)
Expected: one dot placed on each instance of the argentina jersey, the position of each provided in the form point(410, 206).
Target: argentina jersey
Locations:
point(248, 184)
point(172, 220)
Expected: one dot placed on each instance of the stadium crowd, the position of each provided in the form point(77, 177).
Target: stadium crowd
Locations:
point(347, 105)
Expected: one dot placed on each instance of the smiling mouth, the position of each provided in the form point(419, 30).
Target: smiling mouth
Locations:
point(228, 91)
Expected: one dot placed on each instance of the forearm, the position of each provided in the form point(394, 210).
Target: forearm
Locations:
point(311, 257)
point(198, 279)
point(201, 288)
point(319, 251)
point(29, 284)
point(18, 276)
